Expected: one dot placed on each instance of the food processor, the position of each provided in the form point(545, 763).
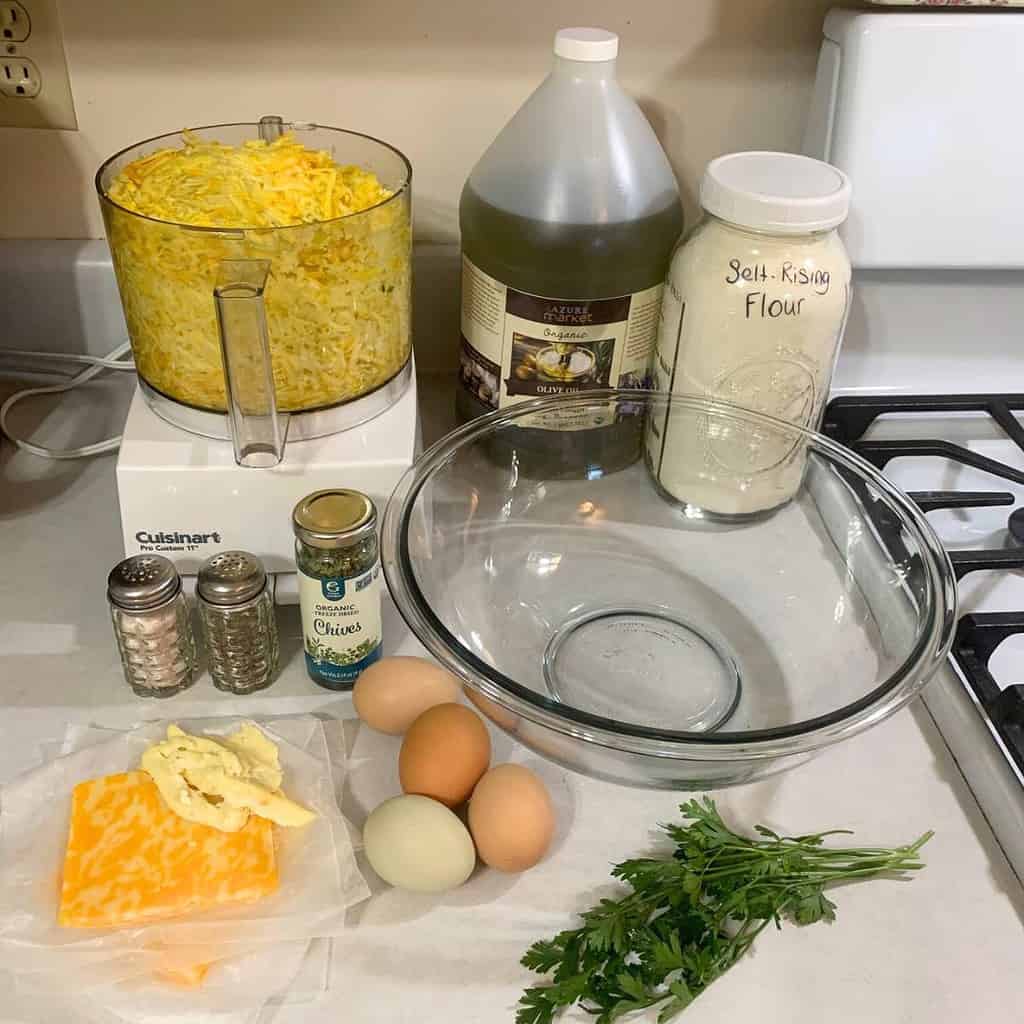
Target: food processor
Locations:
point(272, 361)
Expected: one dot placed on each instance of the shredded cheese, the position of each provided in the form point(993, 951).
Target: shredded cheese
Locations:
point(339, 243)
point(255, 185)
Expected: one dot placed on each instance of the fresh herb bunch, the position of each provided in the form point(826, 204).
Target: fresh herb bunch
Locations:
point(688, 919)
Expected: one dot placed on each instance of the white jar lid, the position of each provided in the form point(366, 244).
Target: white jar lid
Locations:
point(589, 44)
point(779, 192)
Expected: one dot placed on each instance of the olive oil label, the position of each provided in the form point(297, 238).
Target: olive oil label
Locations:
point(517, 346)
point(341, 623)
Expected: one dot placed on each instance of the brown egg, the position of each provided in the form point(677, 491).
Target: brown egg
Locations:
point(511, 818)
point(392, 693)
point(444, 753)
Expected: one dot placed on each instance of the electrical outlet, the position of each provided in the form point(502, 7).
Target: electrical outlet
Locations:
point(19, 78)
point(15, 24)
point(35, 91)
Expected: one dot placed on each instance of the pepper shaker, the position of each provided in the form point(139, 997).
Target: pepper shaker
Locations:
point(237, 613)
point(152, 625)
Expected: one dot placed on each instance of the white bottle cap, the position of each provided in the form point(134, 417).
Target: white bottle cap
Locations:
point(778, 192)
point(586, 44)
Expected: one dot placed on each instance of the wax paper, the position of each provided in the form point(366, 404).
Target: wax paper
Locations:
point(256, 949)
point(234, 992)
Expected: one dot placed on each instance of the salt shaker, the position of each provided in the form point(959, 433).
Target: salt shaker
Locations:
point(152, 625)
point(237, 613)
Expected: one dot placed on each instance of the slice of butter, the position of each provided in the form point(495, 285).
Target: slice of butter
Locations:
point(219, 783)
point(258, 754)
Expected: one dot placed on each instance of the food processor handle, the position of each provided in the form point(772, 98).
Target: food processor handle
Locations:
point(271, 127)
point(258, 430)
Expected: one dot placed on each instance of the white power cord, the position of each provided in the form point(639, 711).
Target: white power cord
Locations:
point(110, 362)
point(97, 364)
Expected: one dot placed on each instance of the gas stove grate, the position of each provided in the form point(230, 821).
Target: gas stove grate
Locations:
point(977, 637)
point(847, 419)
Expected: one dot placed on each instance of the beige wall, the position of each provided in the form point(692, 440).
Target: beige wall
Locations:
point(436, 78)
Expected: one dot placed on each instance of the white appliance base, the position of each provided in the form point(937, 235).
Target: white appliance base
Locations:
point(183, 496)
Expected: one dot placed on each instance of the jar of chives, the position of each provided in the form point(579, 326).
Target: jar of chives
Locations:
point(338, 564)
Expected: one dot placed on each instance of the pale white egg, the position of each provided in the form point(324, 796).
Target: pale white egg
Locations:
point(416, 843)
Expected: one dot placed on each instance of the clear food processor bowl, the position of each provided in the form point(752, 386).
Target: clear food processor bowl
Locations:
point(630, 636)
point(250, 333)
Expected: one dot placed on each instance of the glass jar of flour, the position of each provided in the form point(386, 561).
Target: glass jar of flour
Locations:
point(752, 314)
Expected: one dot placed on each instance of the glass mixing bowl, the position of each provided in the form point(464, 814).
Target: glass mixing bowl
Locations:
point(631, 636)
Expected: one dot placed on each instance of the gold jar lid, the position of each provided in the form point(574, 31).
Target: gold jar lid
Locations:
point(334, 518)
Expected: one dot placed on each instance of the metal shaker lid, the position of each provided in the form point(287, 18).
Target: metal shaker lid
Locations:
point(142, 582)
point(231, 577)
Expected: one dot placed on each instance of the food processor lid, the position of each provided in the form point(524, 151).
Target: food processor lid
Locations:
point(334, 518)
point(143, 582)
point(231, 577)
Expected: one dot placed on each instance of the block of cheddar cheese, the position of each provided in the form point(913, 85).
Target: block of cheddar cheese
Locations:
point(130, 859)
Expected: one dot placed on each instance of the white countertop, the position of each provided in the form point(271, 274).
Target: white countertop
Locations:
point(944, 948)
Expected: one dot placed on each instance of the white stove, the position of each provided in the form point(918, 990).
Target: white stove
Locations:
point(938, 301)
point(961, 458)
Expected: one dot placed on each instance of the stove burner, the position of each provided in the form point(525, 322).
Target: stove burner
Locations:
point(977, 637)
point(847, 419)
point(1015, 524)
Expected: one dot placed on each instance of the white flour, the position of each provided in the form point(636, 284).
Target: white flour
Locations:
point(753, 319)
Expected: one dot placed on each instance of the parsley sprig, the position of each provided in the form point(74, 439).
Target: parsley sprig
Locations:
point(688, 919)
